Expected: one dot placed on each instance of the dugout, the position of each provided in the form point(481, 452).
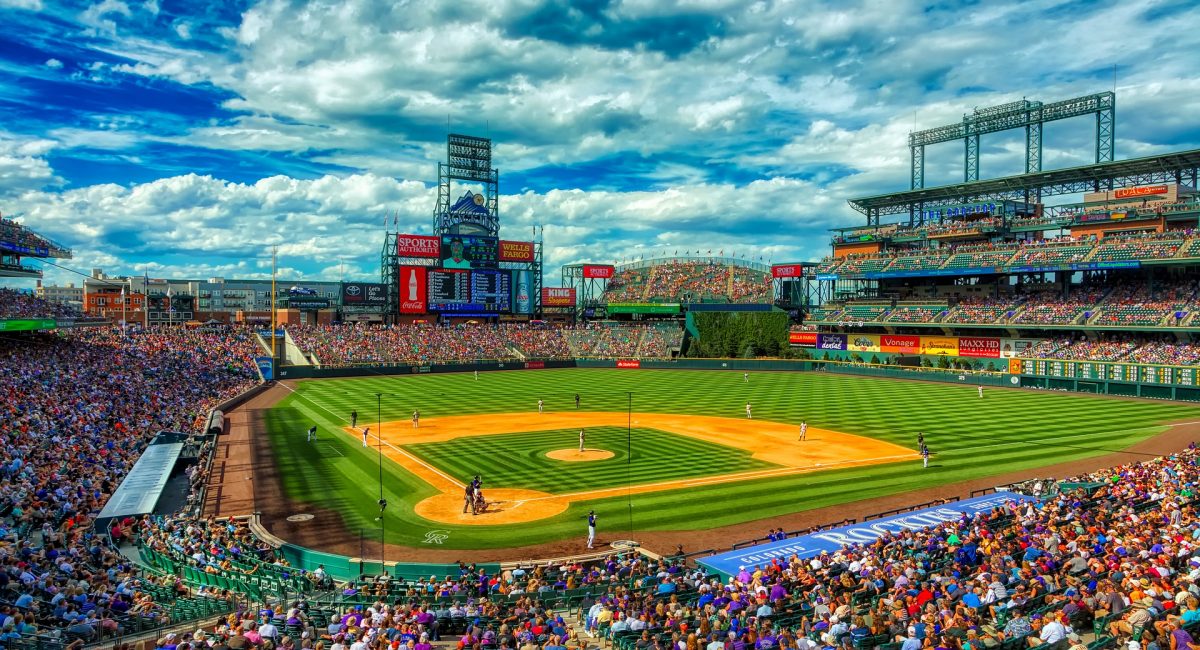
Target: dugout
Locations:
point(157, 483)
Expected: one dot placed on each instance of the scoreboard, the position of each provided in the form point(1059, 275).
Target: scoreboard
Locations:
point(470, 291)
point(469, 252)
point(1109, 371)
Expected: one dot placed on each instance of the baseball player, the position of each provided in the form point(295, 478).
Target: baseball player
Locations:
point(366, 430)
point(581, 440)
point(354, 418)
point(924, 457)
point(803, 430)
point(748, 416)
point(746, 377)
point(469, 497)
point(920, 440)
point(541, 404)
point(416, 419)
point(476, 375)
point(576, 400)
point(591, 517)
point(312, 433)
point(981, 391)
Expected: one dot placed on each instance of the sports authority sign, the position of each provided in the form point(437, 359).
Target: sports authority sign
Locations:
point(418, 246)
point(413, 288)
point(1144, 190)
point(515, 251)
point(598, 271)
point(629, 363)
point(558, 296)
point(787, 271)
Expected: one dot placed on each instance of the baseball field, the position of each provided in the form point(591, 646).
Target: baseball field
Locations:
point(665, 449)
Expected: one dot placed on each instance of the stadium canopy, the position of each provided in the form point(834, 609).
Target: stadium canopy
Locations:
point(1178, 167)
point(139, 493)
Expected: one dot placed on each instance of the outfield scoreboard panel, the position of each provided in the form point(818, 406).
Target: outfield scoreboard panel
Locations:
point(491, 291)
point(447, 288)
point(469, 252)
point(463, 291)
point(1109, 371)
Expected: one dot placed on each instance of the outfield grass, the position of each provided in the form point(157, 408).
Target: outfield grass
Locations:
point(518, 460)
point(1007, 430)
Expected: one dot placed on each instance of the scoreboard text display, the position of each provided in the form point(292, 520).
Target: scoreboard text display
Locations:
point(464, 291)
point(468, 252)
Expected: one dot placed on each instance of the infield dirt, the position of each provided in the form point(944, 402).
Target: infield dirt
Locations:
point(774, 442)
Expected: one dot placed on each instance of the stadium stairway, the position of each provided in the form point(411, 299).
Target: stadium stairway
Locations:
point(649, 283)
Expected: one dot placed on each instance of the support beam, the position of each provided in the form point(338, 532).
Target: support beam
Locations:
point(917, 179)
point(971, 155)
point(1033, 147)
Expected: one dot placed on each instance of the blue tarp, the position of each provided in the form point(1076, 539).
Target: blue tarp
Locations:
point(805, 546)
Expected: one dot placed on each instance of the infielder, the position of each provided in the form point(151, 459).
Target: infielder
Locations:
point(416, 419)
point(541, 404)
point(591, 527)
point(581, 440)
point(366, 430)
point(748, 416)
point(803, 430)
point(312, 433)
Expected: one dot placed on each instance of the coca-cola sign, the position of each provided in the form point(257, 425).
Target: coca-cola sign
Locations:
point(412, 297)
point(418, 246)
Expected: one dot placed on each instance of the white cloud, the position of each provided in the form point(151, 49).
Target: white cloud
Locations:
point(54, 64)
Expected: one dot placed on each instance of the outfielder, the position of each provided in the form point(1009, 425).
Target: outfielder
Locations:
point(981, 391)
point(746, 377)
point(748, 416)
point(312, 433)
point(924, 457)
point(476, 375)
point(541, 404)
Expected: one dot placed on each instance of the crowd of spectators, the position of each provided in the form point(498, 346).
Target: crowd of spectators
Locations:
point(15, 233)
point(77, 410)
point(19, 304)
point(689, 281)
point(1050, 308)
point(340, 345)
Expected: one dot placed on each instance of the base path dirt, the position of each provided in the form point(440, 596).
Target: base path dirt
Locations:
point(774, 442)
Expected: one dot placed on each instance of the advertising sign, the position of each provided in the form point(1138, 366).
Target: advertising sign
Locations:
point(522, 292)
point(535, 365)
point(899, 344)
point(558, 296)
point(364, 294)
point(413, 287)
point(307, 303)
point(1145, 190)
point(787, 271)
point(418, 246)
point(979, 346)
point(598, 271)
point(831, 341)
point(643, 308)
point(863, 343)
point(516, 251)
point(803, 339)
point(865, 533)
point(1010, 348)
point(943, 345)
point(629, 363)
point(20, 325)
point(266, 366)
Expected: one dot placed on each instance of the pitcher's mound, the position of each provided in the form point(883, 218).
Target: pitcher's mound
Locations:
point(576, 456)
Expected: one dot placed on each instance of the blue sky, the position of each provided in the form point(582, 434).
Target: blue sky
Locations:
point(183, 139)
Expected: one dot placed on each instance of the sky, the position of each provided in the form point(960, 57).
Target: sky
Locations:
point(184, 139)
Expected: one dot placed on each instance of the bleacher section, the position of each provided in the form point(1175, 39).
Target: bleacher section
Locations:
point(716, 280)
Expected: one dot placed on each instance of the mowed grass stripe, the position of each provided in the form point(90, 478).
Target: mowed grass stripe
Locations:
point(519, 460)
point(1005, 431)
